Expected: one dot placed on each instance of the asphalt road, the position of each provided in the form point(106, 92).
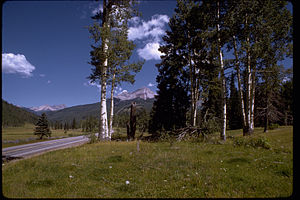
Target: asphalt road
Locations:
point(41, 147)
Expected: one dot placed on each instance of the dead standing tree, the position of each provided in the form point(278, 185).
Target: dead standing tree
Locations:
point(131, 125)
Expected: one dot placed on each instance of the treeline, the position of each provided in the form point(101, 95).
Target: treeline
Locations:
point(221, 68)
point(91, 123)
point(13, 116)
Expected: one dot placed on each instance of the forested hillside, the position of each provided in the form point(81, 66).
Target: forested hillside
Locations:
point(82, 112)
point(15, 116)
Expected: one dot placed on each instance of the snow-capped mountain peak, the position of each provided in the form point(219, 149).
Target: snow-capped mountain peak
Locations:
point(48, 108)
point(143, 93)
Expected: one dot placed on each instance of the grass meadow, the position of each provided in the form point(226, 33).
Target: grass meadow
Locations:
point(192, 169)
point(25, 134)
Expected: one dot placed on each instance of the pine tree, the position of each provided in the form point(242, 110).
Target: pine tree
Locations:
point(42, 127)
point(74, 125)
point(234, 107)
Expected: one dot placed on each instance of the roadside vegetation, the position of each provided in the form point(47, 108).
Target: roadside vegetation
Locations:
point(12, 136)
point(159, 169)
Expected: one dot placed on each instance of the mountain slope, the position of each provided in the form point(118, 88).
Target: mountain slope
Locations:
point(143, 93)
point(16, 116)
point(83, 111)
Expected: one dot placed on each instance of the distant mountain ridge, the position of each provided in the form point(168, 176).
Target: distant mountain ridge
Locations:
point(84, 111)
point(143, 93)
point(48, 108)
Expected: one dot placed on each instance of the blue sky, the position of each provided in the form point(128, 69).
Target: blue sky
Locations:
point(46, 46)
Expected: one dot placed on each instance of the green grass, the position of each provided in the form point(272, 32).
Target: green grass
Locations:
point(26, 132)
point(158, 170)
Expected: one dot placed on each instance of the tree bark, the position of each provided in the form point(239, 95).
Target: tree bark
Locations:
point(248, 129)
point(103, 132)
point(222, 76)
point(237, 65)
point(132, 120)
point(111, 114)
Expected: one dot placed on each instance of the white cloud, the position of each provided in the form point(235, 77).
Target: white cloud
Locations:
point(151, 85)
point(99, 8)
point(152, 31)
point(150, 51)
point(42, 75)
point(153, 28)
point(12, 64)
point(48, 81)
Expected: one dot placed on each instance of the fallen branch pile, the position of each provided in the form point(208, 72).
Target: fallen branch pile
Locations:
point(189, 131)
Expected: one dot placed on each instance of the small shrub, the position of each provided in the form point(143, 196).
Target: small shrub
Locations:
point(273, 126)
point(92, 138)
point(252, 142)
point(211, 126)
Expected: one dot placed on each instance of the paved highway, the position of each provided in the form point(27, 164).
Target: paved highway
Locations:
point(40, 147)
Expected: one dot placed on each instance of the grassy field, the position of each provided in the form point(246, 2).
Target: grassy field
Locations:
point(23, 134)
point(236, 168)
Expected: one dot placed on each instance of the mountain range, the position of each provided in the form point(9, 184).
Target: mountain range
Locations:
point(143, 93)
point(48, 108)
point(143, 97)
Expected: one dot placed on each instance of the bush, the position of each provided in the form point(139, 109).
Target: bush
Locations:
point(93, 138)
point(211, 126)
point(273, 126)
point(255, 142)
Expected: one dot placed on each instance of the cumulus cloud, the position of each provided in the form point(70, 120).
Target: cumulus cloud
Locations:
point(154, 28)
point(12, 64)
point(150, 32)
point(150, 51)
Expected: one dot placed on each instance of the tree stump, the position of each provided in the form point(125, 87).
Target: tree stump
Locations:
point(131, 126)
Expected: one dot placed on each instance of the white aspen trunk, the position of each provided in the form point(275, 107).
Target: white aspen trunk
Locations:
point(193, 94)
point(247, 130)
point(103, 127)
point(111, 114)
point(103, 133)
point(252, 102)
point(248, 90)
point(239, 81)
point(223, 131)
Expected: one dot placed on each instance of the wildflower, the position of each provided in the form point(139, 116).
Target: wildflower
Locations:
point(165, 180)
point(110, 167)
point(127, 182)
point(70, 176)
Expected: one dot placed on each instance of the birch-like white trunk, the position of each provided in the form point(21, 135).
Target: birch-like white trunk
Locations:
point(252, 102)
point(223, 131)
point(248, 90)
point(111, 114)
point(103, 126)
point(103, 132)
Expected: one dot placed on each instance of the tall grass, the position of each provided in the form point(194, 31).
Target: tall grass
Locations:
point(158, 170)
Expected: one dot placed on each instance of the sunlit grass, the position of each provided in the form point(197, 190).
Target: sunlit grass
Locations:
point(158, 170)
point(25, 134)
